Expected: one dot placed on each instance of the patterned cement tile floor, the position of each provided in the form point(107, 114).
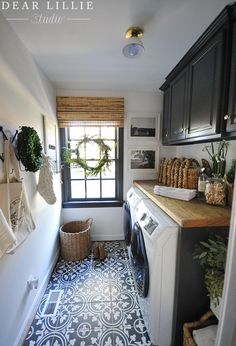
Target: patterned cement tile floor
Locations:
point(98, 305)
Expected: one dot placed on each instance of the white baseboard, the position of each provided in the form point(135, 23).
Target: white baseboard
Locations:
point(28, 320)
point(100, 237)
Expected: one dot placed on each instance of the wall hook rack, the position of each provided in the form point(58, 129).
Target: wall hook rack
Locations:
point(5, 138)
point(4, 135)
point(14, 137)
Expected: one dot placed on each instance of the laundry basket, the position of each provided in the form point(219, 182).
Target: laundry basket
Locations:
point(207, 319)
point(75, 239)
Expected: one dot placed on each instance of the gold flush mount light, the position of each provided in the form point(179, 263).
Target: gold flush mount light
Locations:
point(134, 31)
point(135, 46)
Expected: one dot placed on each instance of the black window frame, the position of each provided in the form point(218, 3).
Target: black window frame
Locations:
point(68, 202)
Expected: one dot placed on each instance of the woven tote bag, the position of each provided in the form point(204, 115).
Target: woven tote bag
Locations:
point(13, 201)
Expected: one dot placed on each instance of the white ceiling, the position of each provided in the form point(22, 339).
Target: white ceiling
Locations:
point(87, 55)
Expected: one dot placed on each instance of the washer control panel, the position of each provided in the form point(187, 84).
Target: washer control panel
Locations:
point(150, 225)
point(146, 220)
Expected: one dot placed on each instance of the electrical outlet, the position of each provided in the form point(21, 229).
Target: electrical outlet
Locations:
point(33, 282)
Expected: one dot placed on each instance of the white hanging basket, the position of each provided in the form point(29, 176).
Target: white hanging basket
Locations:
point(215, 308)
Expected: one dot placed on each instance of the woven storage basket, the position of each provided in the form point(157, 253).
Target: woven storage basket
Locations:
point(206, 320)
point(75, 240)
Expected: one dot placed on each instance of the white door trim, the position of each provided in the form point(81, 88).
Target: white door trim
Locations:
point(226, 334)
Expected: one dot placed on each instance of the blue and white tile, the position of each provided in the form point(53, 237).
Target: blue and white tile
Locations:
point(117, 250)
point(68, 275)
point(98, 306)
point(117, 268)
point(129, 327)
point(123, 282)
point(41, 331)
point(93, 287)
point(88, 326)
point(133, 339)
point(101, 268)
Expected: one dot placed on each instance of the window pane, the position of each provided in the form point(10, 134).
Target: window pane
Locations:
point(93, 188)
point(108, 188)
point(112, 145)
point(76, 132)
point(77, 189)
point(92, 164)
point(92, 131)
point(76, 172)
point(109, 172)
point(92, 151)
point(108, 132)
point(73, 146)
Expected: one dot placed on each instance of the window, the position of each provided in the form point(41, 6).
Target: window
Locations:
point(105, 189)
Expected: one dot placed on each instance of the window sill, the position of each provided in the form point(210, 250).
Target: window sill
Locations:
point(92, 204)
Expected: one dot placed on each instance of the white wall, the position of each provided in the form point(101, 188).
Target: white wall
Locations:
point(136, 104)
point(25, 94)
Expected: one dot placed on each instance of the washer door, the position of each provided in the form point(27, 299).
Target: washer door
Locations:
point(139, 260)
point(127, 223)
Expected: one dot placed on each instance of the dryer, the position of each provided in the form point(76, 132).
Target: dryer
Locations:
point(153, 254)
point(134, 196)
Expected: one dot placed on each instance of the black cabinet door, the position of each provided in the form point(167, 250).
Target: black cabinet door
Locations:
point(231, 116)
point(204, 90)
point(165, 118)
point(178, 93)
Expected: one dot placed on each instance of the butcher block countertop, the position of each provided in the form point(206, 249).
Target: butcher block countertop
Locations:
point(187, 214)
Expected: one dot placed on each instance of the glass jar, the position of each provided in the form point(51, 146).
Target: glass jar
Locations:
point(202, 179)
point(215, 191)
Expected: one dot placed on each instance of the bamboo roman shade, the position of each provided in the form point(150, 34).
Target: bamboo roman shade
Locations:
point(90, 111)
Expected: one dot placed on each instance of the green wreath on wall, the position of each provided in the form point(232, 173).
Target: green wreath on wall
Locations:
point(103, 163)
point(29, 149)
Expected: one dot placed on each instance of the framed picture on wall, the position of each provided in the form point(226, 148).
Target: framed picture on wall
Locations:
point(143, 127)
point(51, 141)
point(143, 159)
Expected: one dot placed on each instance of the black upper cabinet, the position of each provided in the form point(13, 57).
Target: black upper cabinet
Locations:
point(197, 91)
point(165, 119)
point(177, 111)
point(204, 90)
point(230, 117)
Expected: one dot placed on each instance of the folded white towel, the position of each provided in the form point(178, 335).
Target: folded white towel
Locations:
point(205, 336)
point(172, 192)
point(7, 237)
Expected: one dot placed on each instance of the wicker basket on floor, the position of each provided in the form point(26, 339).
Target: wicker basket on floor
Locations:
point(75, 240)
point(207, 319)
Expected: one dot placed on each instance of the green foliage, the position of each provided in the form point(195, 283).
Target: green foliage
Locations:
point(29, 149)
point(73, 156)
point(218, 157)
point(211, 255)
point(231, 173)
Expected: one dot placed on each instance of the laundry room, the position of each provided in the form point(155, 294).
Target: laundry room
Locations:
point(117, 166)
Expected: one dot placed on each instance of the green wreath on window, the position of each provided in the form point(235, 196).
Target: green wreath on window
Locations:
point(103, 163)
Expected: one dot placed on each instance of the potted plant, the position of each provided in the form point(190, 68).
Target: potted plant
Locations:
point(215, 186)
point(211, 255)
point(217, 155)
point(229, 179)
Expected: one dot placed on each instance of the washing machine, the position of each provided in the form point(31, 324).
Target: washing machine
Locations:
point(153, 253)
point(134, 196)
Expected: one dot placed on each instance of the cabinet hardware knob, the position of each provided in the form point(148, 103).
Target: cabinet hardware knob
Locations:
point(226, 117)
